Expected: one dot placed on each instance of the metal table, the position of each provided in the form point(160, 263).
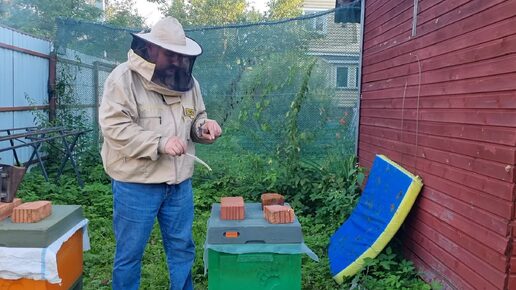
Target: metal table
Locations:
point(35, 137)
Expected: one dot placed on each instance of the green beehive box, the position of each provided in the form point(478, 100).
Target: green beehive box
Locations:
point(254, 271)
point(261, 257)
point(42, 233)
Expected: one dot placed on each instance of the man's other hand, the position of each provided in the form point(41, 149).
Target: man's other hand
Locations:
point(210, 130)
point(175, 146)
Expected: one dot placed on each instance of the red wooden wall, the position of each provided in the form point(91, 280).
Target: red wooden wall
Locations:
point(443, 105)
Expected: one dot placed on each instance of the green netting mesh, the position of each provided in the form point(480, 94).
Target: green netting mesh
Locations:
point(270, 84)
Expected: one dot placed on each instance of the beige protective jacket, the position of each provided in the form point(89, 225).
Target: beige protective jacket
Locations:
point(137, 117)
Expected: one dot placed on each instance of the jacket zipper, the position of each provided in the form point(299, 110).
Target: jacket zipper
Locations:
point(175, 157)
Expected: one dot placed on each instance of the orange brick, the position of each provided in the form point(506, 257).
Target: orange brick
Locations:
point(6, 208)
point(31, 212)
point(232, 208)
point(270, 198)
point(279, 214)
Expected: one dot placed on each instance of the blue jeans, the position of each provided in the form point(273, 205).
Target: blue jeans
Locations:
point(135, 208)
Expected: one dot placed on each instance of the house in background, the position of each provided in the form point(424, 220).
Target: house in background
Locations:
point(339, 47)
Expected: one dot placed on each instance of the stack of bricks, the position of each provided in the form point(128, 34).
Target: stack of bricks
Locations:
point(278, 214)
point(6, 208)
point(232, 208)
point(31, 212)
point(272, 198)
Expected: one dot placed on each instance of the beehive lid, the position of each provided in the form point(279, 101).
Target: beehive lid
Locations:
point(42, 233)
point(254, 229)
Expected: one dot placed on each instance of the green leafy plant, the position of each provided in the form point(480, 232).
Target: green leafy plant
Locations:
point(389, 271)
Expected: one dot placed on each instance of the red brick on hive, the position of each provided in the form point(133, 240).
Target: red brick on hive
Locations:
point(270, 198)
point(279, 214)
point(6, 208)
point(31, 212)
point(232, 208)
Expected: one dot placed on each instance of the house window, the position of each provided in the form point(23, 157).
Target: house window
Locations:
point(342, 77)
point(318, 24)
point(346, 77)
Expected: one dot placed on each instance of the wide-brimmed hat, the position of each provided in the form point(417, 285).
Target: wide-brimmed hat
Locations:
point(168, 33)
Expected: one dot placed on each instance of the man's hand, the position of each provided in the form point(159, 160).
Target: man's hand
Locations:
point(210, 130)
point(175, 146)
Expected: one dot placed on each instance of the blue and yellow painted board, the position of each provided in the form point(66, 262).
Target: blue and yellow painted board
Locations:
point(386, 201)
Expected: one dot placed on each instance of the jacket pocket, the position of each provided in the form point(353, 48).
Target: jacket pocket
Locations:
point(136, 164)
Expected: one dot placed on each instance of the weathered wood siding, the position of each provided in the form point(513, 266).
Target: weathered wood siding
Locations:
point(442, 103)
point(319, 4)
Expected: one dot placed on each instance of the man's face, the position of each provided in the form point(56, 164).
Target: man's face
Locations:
point(172, 70)
point(167, 61)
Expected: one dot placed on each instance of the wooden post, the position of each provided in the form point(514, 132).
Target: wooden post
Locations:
point(52, 96)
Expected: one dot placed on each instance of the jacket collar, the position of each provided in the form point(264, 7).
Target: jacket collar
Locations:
point(146, 70)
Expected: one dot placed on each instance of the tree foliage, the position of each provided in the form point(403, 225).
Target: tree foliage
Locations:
point(195, 13)
point(281, 9)
point(38, 17)
point(121, 13)
point(207, 12)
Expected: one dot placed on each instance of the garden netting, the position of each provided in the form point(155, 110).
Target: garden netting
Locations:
point(271, 85)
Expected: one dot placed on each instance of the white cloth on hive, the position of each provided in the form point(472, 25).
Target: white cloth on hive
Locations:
point(38, 263)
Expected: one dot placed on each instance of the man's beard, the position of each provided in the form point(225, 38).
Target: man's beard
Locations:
point(174, 78)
